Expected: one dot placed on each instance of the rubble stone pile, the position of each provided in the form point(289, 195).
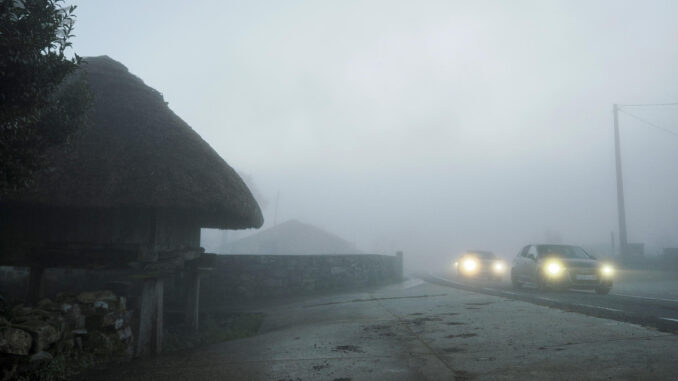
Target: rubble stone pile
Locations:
point(95, 322)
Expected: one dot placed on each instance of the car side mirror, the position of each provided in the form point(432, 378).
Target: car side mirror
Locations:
point(531, 256)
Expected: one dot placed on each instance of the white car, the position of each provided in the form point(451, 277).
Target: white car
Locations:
point(480, 264)
point(561, 266)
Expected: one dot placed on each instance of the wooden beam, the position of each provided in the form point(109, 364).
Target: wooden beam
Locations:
point(80, 255)
point(204, 261)
point(98, 256)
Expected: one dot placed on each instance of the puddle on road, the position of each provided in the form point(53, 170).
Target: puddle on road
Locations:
point(322, 366)
point(381, 330)
point(422, 320)
point(348, 348)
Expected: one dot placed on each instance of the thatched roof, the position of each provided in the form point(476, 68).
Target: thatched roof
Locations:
point(136, 153)
point(291, 238)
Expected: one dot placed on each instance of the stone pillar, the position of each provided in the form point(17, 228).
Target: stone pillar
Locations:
point(149, 332)
point(35, 285)
point(192, 306)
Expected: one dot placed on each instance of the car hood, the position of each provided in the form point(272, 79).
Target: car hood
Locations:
point(579, 263)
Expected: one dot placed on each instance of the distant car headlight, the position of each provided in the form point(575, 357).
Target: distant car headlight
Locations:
point(469, 265)
point(554, 269)
point(499, 267)
point(607, 271)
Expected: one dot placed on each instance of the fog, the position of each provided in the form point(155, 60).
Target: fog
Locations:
point(428, 127)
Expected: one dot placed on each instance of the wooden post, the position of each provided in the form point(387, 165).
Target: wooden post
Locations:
point(35, 285)
point(192, 312)
point(149, 332)
point(158, 317)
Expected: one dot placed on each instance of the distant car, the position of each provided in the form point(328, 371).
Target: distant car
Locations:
point(480, 264)
point(561, 266)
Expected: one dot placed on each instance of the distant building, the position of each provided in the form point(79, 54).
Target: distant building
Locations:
point(131, 190)
point(291, 238)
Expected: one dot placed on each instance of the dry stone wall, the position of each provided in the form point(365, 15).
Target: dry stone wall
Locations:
point(94, 322)
point(238, 277)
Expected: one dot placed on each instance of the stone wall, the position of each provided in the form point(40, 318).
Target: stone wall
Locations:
point(238, 277)
point(69, 327)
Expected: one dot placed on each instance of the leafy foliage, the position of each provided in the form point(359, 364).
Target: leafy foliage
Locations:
point(38, 108)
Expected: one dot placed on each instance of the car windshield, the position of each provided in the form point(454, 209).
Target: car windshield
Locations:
point(483, 254)
point(562, 251)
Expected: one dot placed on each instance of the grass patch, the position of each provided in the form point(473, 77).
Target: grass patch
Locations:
point(213, 329)
point(61, 368)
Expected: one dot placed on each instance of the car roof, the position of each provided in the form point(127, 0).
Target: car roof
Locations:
point(551, 244)
point(480, 253)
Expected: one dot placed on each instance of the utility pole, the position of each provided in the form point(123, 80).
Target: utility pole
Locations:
point(621, 209)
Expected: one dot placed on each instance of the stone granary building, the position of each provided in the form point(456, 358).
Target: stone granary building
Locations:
point(132, 190)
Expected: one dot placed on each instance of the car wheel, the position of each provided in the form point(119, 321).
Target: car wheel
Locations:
point(514, 281)
point(603, 290)
point(541, 283)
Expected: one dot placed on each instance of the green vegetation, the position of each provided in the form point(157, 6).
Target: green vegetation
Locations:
point(39, 108)
point(215, 328)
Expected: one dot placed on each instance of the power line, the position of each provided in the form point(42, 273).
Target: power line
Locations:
point(651, 105)
point(649, 123)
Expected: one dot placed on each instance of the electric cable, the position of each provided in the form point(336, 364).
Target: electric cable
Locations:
point(649, 123)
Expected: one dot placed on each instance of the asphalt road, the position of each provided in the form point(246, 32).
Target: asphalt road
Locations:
point(649, 302)
point(417, 330)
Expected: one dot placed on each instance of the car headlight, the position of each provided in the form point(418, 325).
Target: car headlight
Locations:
point(554, 269)
point(499, 267)
point(607, 271)
point(469, 265)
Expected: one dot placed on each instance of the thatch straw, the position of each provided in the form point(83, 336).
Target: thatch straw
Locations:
point(136, 153)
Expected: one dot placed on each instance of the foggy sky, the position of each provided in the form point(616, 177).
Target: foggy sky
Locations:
point(428, 127)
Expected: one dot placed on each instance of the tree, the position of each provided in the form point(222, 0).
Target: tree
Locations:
point(41, 102)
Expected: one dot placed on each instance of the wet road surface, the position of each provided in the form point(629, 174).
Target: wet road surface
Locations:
point(647, 302)
point(419, 331)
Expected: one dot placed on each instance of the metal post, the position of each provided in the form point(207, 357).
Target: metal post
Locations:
point(621, 209)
